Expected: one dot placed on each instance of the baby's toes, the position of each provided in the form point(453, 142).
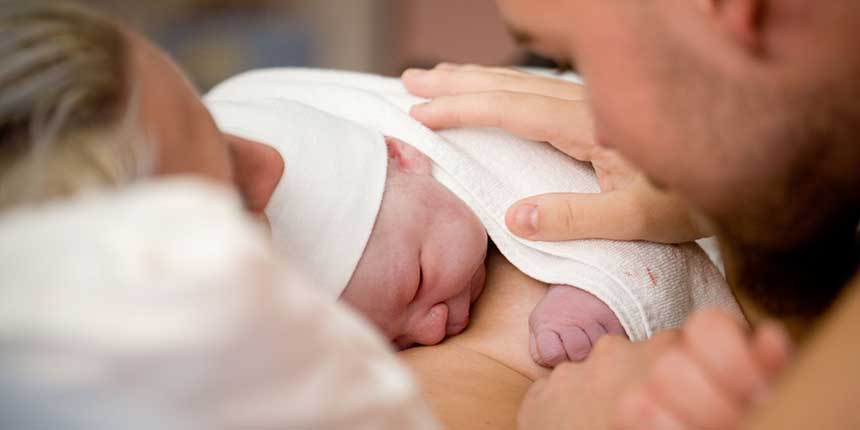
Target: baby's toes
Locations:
point(548, 348)
point(580, 338)
point(555, 346)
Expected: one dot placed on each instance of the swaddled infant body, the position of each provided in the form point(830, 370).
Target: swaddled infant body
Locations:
point(423, 267)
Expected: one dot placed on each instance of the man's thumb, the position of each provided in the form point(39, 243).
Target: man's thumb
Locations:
point(559, 217)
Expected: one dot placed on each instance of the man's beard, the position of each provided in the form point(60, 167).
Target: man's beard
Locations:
point(797, 282)
point(795, 244)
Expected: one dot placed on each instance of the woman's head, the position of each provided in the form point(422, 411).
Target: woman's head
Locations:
point(65, 117)
point(85, 103)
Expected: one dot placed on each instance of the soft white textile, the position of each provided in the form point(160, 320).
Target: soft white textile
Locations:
point(325, 206)
point(162, 306)
point(649, 286)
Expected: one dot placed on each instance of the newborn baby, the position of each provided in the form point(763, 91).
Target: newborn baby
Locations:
point(398, 229)
point(368, 221)
point(424, 265)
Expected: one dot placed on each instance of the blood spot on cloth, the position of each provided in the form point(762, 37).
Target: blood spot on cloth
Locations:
point(653, 277)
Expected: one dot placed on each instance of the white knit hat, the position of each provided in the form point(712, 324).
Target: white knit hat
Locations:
point(325, 206)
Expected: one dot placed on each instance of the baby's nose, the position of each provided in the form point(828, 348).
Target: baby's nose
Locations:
point(429, 329)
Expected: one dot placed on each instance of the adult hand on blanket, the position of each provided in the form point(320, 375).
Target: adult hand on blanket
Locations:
point(554, 111)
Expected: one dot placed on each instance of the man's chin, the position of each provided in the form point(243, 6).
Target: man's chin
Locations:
point(797, 281)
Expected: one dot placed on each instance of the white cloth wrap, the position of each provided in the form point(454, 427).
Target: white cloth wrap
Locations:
point(163, 306)
point(325, 206)
point(650, 287)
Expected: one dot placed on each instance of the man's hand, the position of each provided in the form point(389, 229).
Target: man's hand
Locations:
point(710, 380)
point(585, 396)
point(554, 111)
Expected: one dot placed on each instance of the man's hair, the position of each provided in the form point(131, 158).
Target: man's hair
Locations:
point(67, 120)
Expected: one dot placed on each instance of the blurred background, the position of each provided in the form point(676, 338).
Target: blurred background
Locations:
point(214, 39)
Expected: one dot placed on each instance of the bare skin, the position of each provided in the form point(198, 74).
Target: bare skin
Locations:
point(477, 380)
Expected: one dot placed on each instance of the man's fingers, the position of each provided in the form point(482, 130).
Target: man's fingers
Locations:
point(448, 80)
point(681, 386)
point(558, 217)
point(722, 346)
point(478, 68)
point(565, 124)
point(772, 348)
point(637, 410)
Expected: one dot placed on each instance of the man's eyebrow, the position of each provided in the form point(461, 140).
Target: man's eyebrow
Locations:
point(521, 37)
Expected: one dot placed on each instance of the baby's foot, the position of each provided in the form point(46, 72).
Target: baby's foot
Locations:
point(567, 323)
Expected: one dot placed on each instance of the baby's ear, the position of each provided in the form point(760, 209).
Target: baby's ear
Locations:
point(407, 158)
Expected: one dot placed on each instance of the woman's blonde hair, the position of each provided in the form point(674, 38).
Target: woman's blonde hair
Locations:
point(67, 119)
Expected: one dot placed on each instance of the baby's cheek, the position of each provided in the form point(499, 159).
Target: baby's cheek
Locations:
point(366, 301)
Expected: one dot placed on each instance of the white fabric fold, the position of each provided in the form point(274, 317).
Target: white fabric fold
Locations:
point(163, 306)
point(649, 286)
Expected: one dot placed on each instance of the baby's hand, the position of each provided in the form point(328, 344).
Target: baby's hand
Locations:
point(567, 323)
point(710, 380)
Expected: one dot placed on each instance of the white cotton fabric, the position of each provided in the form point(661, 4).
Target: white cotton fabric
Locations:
point(325, 205)
point(162, 306)
point(649, 286)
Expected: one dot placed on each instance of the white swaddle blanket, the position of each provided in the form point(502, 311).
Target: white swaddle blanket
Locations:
point(649, 286)
point(162, 306)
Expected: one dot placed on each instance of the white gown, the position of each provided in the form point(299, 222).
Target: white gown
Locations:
point(163, 307)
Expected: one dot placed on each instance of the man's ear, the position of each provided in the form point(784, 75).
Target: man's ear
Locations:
point(742, 20)
point(407, 158)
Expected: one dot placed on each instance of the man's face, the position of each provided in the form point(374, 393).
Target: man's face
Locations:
point(764, 145)
point(639, 87)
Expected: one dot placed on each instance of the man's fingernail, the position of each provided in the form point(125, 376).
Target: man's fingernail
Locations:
point(526, 219)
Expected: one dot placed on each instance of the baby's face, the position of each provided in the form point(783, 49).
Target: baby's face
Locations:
point(423, 266)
